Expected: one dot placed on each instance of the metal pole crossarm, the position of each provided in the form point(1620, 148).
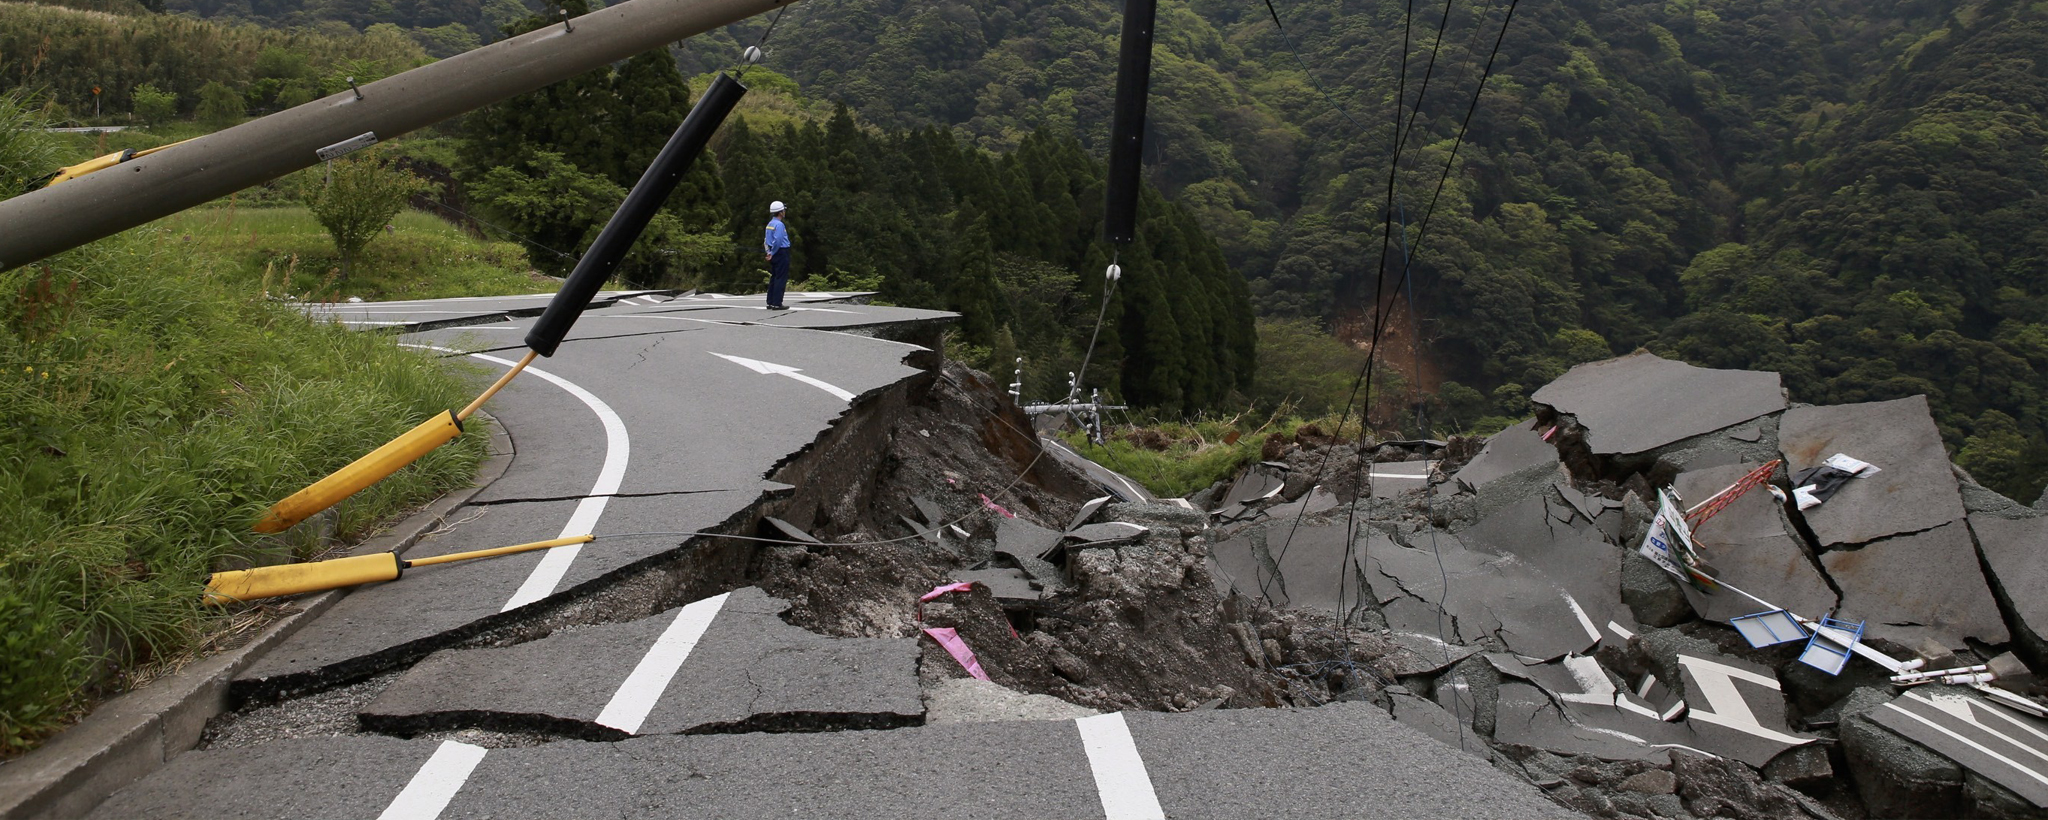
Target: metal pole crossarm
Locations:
point(97, 205)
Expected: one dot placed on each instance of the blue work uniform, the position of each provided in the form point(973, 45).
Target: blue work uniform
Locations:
point(777, 245)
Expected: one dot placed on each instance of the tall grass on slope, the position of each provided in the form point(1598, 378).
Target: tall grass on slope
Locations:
point(284, 250)
point(151, 414)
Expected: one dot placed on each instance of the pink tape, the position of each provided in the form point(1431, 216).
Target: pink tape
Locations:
point(950, 639)
point(942, 589)
point(987, 502)
point(1550, 432)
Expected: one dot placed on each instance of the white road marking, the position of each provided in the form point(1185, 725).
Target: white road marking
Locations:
point(617, 449)
point(771, 368)
point(444, 774)
point(1986, 750)
point(1592, 632)
point(1120, 777)
point(436, 783)
point(1714, 683)
point(636, 697)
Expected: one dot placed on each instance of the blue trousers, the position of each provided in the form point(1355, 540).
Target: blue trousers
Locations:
point(778, 275)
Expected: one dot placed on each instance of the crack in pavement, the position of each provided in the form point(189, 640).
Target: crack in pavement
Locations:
point(545, 499)
point(570, 341)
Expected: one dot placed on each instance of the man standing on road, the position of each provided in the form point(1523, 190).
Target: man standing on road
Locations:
point(777, 246)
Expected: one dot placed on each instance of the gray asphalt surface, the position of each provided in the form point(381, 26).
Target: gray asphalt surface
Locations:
point(1342, 760)
point(704, 399)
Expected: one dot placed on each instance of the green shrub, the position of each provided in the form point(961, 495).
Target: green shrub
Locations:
point(153, 105)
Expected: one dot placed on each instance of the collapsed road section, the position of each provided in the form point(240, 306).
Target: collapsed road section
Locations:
point(1672, 593)
point(832, 575)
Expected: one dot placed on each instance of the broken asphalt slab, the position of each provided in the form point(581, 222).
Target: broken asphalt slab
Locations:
point(732, 665)
point(671, 461)
point(1132, 764)
point(1111, 481)
point(1507, 452)
point(1485, 594)
point(1754, 548)
point(444, 604)
point(2008, 748)
point(1637, 403)
point(2015, 553)
point(1923, 585)
point(1915, 489)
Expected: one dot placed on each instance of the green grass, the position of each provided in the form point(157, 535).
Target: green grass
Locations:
point(155, 405)
point(284, 251)
point(1175, 459)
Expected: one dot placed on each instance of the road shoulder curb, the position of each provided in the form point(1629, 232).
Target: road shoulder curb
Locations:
point(132, 735)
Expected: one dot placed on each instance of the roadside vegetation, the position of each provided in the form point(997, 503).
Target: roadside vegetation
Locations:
point(156, 402)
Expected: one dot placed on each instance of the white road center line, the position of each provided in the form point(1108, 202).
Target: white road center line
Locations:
point(436, 783)
point(617, 448)
point(1120, 777)
point(636, 697)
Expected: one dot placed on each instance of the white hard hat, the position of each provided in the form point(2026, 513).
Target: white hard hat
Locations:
point(776, 207)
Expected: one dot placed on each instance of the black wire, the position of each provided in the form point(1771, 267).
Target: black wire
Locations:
point(1365, 372)
point(1423, 231)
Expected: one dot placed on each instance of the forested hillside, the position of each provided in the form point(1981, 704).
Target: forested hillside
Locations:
point(1847, 192)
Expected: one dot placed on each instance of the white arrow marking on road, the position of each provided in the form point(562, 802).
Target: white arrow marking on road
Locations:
point(773, 369)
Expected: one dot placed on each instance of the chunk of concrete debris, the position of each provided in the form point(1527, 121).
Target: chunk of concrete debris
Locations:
point(1010, 587)
point(1915, 491)
point(1257, 483)
point(1639, 402)
point(1923, 585)
point(1088, 511)
point(966, 700)
point(1432, 720)
point(1507, 452)
point(1108, 532)
point(727, 663)
point(1755, 549)
point(2016, 554)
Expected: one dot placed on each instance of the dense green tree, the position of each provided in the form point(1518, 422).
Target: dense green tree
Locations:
point(220, 106)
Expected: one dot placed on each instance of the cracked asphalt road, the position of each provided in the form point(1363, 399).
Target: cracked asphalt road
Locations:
point(649, 419)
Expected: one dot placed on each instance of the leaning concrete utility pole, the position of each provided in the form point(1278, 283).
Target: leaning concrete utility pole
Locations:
point(64, 216)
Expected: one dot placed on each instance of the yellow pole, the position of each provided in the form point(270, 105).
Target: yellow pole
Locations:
point(381, 462)
point(361, 473)
point(496, 386)
point(497, 551)
point(293, 579)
